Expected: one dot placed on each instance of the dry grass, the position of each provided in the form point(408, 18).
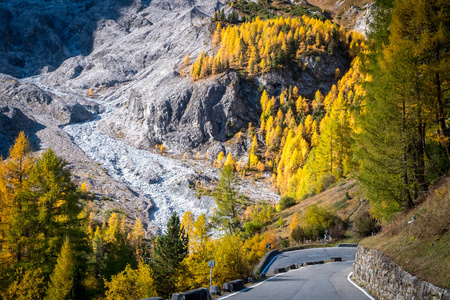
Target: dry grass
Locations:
point(423, 247)
point(335, 198)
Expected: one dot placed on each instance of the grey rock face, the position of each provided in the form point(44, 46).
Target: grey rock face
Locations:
point(38, 35)
point(32, 99)
point(13, 121)
point(362, 24)
point(207, 111)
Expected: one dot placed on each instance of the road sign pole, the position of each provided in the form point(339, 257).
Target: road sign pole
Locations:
point(212, 264)
point(210, 280)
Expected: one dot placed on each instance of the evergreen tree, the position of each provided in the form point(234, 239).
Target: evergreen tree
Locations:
point(58, 207)
point(62, 279)
point(137, 238)
point(405, 99)
point(27, 285)
point(118, 254)
point(17, 209)
point(227, 214)
point(170, 250)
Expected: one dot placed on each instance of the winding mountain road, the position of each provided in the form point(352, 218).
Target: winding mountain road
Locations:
point(319, 282)
point(285, 259)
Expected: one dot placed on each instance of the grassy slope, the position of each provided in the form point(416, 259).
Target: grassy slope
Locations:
point(334, 198)
point(423, 247)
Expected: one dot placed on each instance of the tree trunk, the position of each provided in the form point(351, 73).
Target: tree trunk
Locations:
point(441, 117)
point(409, 201)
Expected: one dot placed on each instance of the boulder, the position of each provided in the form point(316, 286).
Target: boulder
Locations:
point(198, 294)
point(215, 290)
point(233, 286)
point(336, 258)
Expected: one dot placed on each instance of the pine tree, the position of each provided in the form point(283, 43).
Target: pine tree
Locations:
point(27, 285)
point(230, 161)
point(402, 89)
point(227, 213)
point(170, 250)
point(58, 206)
point(17, 210)
point(63, 276)
point(137, 238)
point(117, 252)
point(187, 60)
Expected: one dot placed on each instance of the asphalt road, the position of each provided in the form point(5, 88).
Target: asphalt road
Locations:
point(317, 282)
point(306, 255)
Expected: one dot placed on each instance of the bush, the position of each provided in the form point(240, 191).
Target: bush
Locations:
point(298, 234)
point(317, 220)
point(285, 243)
point(253, 227)
point(286, 202)
point(337, 232)
point(281, 222)
point(366, 225)
point(324, 182)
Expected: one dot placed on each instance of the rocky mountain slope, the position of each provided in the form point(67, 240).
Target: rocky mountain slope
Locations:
point(102, 83)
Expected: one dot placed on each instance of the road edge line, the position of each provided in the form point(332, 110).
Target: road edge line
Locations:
point(249, 288)
point(360, 288)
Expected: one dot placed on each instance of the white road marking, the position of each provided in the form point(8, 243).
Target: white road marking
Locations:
point(360, 288)
point(253, 286)
point(249, 288)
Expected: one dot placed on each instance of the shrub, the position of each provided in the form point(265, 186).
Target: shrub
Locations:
point(298, 234)
point(281, 222)
point(324, 182)
point(317, 220)
point(253, 227)
point(285, 243)
point(366, 225)
point(286, 202)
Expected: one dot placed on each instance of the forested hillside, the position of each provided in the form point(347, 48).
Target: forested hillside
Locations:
point(379, 137)
point(384, 122)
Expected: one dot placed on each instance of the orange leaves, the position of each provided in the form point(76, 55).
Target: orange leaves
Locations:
point(294, 223)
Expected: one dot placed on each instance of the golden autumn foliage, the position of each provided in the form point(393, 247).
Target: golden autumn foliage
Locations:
point(294, 127)
point(63, 276)
point(260, 46)
point(27, 285)
point(294, 223)
point(131, 284)
point(220, 160)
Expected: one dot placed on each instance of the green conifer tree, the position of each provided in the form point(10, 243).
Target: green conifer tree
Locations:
point(227, 213)
point(63, 276)
point(171, 248)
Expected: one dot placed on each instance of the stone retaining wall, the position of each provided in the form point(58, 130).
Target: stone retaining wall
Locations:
point(386, 280)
